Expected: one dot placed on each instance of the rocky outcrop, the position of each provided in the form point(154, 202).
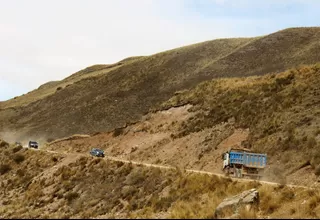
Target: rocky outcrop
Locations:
point(230, 207)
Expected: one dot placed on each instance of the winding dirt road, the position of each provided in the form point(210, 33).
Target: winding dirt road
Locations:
point(73, 155)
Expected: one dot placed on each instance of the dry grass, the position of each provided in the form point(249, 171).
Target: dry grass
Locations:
point(93, 102)
point(4, 168)
point(245, 213)
point(269, 203)
point(270, 106)
point(3, 144)
point(117, 132)
point(93, 187)
point(18, 158)
point(72, 137)
point(52, 87)
point(311, 205)
point(16, 149)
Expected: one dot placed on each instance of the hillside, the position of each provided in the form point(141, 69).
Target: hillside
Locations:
point(277, 114)
point(108, 98)
point(51, 87)
point(78, 186)
point(281, 112)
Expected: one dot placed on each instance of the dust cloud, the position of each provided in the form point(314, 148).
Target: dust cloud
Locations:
point(15, 136)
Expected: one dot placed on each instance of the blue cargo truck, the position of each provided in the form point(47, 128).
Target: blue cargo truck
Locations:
point(243, 163)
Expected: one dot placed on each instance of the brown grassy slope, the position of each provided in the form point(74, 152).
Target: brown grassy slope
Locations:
point(127, 92)
point(272, 53)
point(95, 103)
point(50, 88)
point(96, 188)
point(281, 112)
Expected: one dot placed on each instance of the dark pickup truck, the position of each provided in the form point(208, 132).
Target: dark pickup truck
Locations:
point(33, 144)
point(97, 152)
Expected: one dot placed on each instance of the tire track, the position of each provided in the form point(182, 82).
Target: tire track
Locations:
point(173, 168)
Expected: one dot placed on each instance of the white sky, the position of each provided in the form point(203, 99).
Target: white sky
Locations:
point(42, 40)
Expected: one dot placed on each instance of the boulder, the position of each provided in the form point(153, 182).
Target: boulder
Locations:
point(230, 206)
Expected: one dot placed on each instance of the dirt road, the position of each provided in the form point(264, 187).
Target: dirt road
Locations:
point(75, 155)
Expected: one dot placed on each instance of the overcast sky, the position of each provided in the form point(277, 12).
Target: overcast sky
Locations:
point(42, 40)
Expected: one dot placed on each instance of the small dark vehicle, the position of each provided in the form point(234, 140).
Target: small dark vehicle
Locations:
point(97, 152)
point(33, 144)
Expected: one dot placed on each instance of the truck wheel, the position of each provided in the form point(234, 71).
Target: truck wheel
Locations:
point(226, 171)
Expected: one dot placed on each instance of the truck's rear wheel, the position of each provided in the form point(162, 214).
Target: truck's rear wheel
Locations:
point(226, 171)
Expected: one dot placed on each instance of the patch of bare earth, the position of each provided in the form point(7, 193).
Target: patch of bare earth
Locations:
point(152, 141)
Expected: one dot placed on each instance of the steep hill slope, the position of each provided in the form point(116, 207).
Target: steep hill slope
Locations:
point(277, 114)
point(124, 93)
point(281, 111)
point(67, 186)
point(50, 88)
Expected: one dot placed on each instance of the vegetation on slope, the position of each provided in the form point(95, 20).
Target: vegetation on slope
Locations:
point(92, 188)
point(281, 111)
point(93, 103)
point(52, 87)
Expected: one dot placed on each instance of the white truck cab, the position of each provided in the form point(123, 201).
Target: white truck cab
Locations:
point(225, 160)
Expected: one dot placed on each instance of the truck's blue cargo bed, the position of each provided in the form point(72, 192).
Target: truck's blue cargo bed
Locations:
point(248, 159)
